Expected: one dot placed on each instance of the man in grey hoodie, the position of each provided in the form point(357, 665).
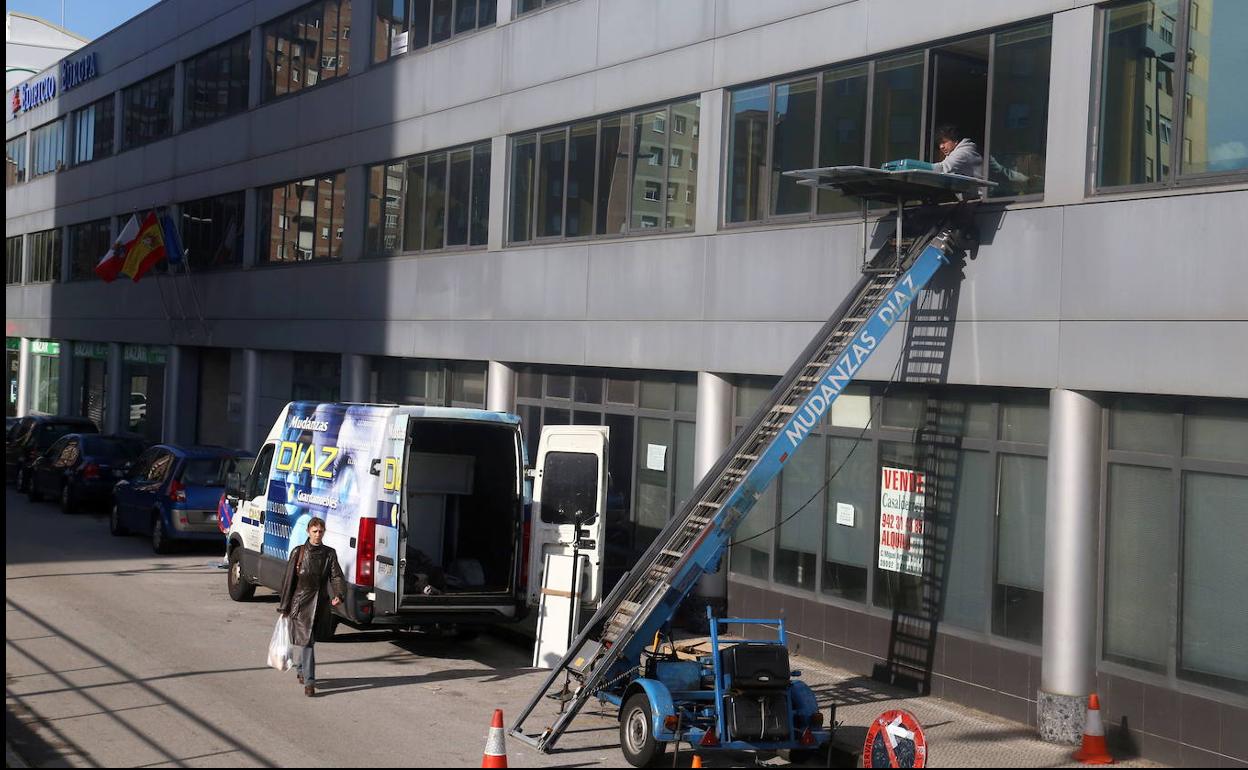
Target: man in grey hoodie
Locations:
point(959, 155)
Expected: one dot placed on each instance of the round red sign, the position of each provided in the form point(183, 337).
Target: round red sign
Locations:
point(895, 739)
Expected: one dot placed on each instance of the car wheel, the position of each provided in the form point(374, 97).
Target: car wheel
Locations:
point(160, 537)
point(32, 489)
point(68, 501)
point(637, 732)
point(114, 523)
point(239, 583)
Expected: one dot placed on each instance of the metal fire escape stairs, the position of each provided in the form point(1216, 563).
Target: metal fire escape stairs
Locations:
point(609, 648)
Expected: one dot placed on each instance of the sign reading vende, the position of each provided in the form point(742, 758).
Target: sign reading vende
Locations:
point(901, 520)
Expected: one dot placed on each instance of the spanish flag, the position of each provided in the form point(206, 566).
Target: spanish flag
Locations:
point(147, 249)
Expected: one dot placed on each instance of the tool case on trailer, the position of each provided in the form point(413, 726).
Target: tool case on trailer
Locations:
point(756, 666)
point(758, 716)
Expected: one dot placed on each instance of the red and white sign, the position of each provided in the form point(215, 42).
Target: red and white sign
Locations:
point(895, 739)
point(901, 520)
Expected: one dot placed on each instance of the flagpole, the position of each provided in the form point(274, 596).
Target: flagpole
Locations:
point(163, 304)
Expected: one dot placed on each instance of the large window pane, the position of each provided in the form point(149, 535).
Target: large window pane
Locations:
point(842, 129)
point(93, 127)
point(523, 158)
point(212, 231)
point(215, 83)
point(897, 109)
point(655, 458)
point(1214, 636)
point(48, 148)
point(87, 243)
point(613, 175)
point(1018, 600)
point(682, 165)
point(435, 203)
point(801, 490)
point(441, 20)
point(1137, 93)
point(480, 216)
point(649, 156)
point(1142, 426)
point(389, 21)
point(792, 145)
point(1217, 430)
point(1215, 132)
point(148, 110)
point(1025, 418)
point(458, 203)
point(15, 161)
point(851, 518)
point(414, 206)
point(1020, 110)
point(581, 156)
point(1139, 565)
point(550, 185)
point(747, 153)
point(751, 552)
point(968, 524)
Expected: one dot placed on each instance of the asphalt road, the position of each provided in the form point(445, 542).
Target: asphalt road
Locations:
point(117, 656)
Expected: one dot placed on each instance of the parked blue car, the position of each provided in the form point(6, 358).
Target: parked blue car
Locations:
point(171, 493)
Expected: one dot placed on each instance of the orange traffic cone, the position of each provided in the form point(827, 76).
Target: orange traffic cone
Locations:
point(697, 761)
point(1094, 751)
point(495, 743)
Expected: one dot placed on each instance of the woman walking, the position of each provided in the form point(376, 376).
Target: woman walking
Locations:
point(312, 576)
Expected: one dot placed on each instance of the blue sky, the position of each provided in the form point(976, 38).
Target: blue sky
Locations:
point(88, 18)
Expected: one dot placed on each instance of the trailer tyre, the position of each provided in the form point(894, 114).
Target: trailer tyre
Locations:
point(637, 732)
point(240, 585)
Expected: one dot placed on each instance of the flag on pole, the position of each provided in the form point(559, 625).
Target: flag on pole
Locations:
point(173, 243)
point(147, 249)
point(112, 262)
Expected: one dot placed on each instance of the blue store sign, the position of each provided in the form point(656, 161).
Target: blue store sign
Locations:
point(74, 72)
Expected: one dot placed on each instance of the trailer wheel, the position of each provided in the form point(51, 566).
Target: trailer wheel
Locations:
point(637, 732)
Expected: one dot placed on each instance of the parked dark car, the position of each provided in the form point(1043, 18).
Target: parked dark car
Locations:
point(171, 493)
point(80, 469)
point(33, 436)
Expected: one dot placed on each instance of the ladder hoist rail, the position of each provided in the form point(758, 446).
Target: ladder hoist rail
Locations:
point(694, 540)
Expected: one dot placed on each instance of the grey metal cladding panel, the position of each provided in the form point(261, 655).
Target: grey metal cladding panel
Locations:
point(223, 143)
point(630, 30)
point(203, 25)
point(530, 284)
point(1201, 358)
point(808, 40)
point(541, 341)
point(549, 104)
point(647, 280)
point(673, 74)
point(753, 348)
point(468, 71)
point(280, 119)
point(1124, 261)
point(733, 16)
point(645, 344)
point(796, 273)
point(531, 42)
point(1016, 271)
point(896, 23)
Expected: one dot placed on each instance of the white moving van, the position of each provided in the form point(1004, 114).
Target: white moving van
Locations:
point(425, 506)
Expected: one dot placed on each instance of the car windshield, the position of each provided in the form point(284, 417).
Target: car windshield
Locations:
point(47, 433)
point(109, 448)
point(205, 472)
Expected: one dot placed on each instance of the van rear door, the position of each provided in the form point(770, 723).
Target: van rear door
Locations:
point(570, 488)
point(390, 525)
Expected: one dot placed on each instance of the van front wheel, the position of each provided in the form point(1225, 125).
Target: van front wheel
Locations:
point(240, 585)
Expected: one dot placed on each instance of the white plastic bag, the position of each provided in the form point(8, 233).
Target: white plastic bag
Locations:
point(280, 657)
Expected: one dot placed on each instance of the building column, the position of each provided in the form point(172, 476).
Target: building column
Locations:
point(500, 388)
point(116, 392)
point(23, 377)
point(255, 70)
point(1068, 662)
point(363, 12)
point(66, 259)
point(251, 225)
point(712, 434)
point(711, 115)
point(355, 218)
point(354, 382)
point(179, 94)
point(496, 236)
point(65, 384)
point(181, 395)
point(251, 399)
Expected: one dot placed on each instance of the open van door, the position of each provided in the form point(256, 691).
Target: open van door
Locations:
point(569, 505)
point(384, 555)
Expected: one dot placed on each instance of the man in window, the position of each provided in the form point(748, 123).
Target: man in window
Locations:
point(958, 154)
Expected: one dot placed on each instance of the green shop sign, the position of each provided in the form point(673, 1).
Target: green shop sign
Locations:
point(12, 343)
point(45, 348)
point(91, 350)
point(145, 354)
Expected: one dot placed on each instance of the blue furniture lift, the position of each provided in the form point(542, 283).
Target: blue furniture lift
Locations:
point(607, 654)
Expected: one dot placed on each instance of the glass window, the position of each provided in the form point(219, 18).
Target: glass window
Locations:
point(216, 82)
point(480, 201)
point(1217, 431)
point(414, 205)
point(655, 455)
point(46, 380)
point(212, 231)
point(15, 161)
point(568, 478)
point(970, 518)
point(851, 518)
point(1018, 597)
point(1020, 110)
point(523, 160)
point(88, 243)
point(1214, 639)
point(47, 148)
point(681, 174)
point(147, 110)
point(435, 202)
point(390, 24)
point(550, 185)
point(13, 260)
point(317, 377)
point(751, 544)
point(441, 24)
point(842, 129)
point(792, 144)
point(93, 130)
point(1216, 90)
point(1142, 426)
point(801, 514)
point(302, 219)
point(581, 157)
point(146, 404)
point(613, 175)
point(468, 385)
point(458, 196)
point(747, 153)
point(1025, 419)
point(43, 252)
point(306, 47)
point(526, 6)
point(1139, 564)
point(897, 109)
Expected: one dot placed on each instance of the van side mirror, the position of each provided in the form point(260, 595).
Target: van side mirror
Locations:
point(234, 484)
